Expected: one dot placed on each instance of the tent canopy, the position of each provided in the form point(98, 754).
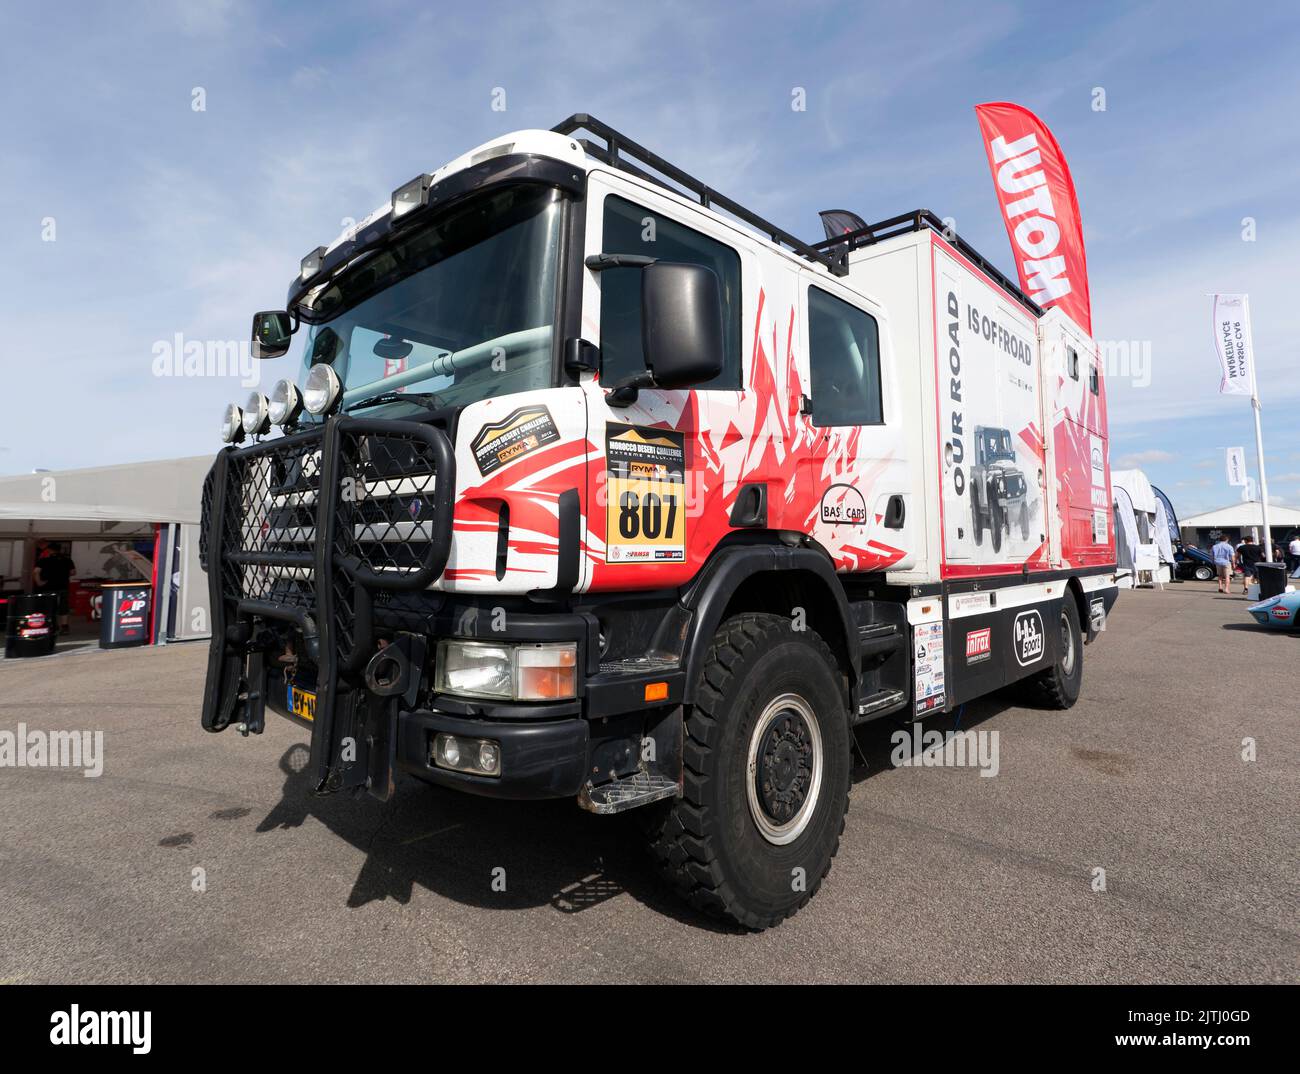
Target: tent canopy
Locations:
point(104, 499)
point(1243, 515)
point(1135, 483)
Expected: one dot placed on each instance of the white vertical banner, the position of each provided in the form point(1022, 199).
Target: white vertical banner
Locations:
point(1233, 344)
point(1236, 461)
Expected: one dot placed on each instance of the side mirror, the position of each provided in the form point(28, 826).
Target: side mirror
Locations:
point(272, 332)
point(681, 324)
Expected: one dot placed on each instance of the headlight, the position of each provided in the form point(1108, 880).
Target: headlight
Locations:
point(286, 402)
point(232, 424)
point(508, 672)
point(321, 390)
point(257, 418)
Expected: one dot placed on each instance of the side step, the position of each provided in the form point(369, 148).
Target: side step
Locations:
point(879, 703)
point(629, 792)
point(877, 639)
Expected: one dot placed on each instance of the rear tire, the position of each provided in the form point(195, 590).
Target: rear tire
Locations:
point(1058, 687)
point(1204, 574)
point(766, 775)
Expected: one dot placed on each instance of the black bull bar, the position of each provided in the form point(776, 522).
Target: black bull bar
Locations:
point(306, 529)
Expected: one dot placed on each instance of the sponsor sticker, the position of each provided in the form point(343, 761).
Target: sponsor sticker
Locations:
point(1281, 612)
point(979, 645)
point(1099, 525)
point(522, 431)
point(927, 639)
point(843, 505)
point(645, 511)
point(1029, 637)
point(960, 603)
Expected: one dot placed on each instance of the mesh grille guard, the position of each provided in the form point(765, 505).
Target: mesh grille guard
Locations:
point(305, 529)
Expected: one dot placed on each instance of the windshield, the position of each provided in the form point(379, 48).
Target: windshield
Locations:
point(463, 309)
point(997, 445)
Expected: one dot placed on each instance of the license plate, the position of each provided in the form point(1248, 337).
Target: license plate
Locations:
point(302, 703)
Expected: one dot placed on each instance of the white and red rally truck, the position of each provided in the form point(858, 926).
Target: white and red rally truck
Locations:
point(597, 485)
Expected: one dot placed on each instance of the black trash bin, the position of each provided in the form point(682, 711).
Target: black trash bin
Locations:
point(1272, 579)
point(32, 624)
point(124, 614)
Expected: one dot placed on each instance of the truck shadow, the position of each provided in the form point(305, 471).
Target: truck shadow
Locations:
point(876, 744)
point(479, 851)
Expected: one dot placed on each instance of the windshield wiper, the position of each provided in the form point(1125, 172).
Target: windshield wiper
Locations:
point(431, 400)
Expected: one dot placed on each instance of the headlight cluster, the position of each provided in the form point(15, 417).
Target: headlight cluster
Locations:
point(284, 406)
point(506, 671)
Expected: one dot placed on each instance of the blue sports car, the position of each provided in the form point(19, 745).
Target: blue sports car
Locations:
point(1191, 562)
point(1280, 613)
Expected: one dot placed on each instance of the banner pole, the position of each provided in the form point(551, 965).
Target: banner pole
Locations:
point(1266, 538)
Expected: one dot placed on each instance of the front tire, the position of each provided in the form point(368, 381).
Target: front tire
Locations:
point(766, 775)
point(1204, 574)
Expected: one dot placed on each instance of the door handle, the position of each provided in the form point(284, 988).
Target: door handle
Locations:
point(895, 513)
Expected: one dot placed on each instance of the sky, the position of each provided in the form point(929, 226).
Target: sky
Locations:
point(164, 169)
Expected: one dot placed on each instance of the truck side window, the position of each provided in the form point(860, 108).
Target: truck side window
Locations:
point(634, 229)
point(844, 360)
point(1072, 361)
point(1092, 378)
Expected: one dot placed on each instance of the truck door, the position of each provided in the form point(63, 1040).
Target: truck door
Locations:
point(658, 499)
point(865, 515)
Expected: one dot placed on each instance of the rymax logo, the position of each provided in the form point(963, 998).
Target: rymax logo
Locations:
point(1029, 637)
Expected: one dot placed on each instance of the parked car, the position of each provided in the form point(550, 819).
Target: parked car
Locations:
point(1191, 562)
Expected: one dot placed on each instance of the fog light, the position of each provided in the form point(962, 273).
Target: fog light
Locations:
point(232, 424)
point(321, 389)
point(257, 417)
point(477, 756)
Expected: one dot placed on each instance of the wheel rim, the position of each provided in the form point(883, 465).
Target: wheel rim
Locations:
point(1067, 645)
point(784, 772)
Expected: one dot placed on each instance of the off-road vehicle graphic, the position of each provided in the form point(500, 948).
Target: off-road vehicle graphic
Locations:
point(999, 493)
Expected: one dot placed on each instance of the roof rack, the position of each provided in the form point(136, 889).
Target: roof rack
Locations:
point(919, 220)
point(620, 151)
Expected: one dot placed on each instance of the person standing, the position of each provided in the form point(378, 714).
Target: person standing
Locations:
point(1249, 556)
point(1223, 554)
point(52, 574)
point(1293, 554)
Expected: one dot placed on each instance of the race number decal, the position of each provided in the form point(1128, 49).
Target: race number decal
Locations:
point(523, 431)
point(645, 509)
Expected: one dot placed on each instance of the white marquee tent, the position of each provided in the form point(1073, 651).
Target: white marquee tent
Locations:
point(104, 512)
